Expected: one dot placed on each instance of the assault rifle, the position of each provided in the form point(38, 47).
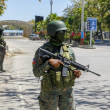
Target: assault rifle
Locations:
point(66, 62)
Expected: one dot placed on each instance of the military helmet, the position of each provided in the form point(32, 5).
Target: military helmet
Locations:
point(55, 26)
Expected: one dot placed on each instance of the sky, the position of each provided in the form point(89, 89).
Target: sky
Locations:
point(25, 10)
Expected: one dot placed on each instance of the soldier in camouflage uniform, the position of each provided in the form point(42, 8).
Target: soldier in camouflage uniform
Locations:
point(56, 90)
point(2, 50)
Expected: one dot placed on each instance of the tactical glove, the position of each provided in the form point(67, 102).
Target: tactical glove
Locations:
point(54, 62)
point(77, 73)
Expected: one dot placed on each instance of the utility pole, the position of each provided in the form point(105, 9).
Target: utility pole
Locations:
point(82, 23)
point(51, 2)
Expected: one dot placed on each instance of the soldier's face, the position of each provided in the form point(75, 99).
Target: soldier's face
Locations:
point(61, 35)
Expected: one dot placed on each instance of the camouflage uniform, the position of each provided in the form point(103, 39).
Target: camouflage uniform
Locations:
point(2, 51)
point(56, 90)
point(49, 100)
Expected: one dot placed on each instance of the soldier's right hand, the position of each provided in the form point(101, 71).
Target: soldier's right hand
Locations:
point(54, 62)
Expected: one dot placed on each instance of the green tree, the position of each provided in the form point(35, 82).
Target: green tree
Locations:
point(92, 8)
point(32, 22)
point(107, 21)
point(73, 16)
point(52, 17)
point(2, 6)
point(40, 26)
point(13, 27)
point(98, 9)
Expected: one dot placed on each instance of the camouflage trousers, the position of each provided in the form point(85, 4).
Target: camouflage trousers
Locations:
point(50, 100)
point(2, 54)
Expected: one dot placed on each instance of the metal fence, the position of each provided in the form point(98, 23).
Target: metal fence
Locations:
point(107, 35)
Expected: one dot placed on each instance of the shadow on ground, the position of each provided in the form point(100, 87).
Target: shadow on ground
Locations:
point(92, 94)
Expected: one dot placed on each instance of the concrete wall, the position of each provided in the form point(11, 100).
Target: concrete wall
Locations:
point(27, 32)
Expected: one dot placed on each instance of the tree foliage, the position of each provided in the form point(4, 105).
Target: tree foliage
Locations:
point(92, 8)
point(2, 6)
point(41, 25)
point(13, 27)
point(72, 15)
point(107, 21)
point(99, 9)
point(32, 22)
point(52, 17)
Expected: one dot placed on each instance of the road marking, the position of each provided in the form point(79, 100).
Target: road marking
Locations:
point(21, 97)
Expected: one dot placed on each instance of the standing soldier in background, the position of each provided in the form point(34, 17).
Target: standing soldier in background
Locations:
point(56, 90)
point(2, 50)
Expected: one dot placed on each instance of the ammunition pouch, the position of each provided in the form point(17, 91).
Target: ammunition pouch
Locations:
point(46, 82)
point(54, 76)
point(56, 79)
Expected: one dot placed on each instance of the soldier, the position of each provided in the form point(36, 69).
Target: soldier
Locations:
point(2, 50)
point(56, 90)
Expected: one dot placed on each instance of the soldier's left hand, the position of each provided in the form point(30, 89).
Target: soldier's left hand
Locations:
point(77, 73)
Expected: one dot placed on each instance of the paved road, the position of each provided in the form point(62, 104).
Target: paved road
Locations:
point(93, 92)
point(20, 93)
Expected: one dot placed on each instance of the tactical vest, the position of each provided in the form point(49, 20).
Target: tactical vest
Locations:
point(53, 77)
point(2, 42)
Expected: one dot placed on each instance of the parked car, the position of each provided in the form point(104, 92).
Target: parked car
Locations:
point(34, 37)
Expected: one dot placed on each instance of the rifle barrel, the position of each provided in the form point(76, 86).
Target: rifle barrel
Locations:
point(94, 73)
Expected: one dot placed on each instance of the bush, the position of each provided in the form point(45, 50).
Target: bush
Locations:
point(88, 36)
point(87, 39)
point(92, 42)
point(86, 42)
point(77, 38)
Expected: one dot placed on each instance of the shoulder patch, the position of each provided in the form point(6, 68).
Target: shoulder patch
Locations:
point(33, 62)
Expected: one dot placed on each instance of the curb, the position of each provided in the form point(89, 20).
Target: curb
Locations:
point(86, 47)
point(80, 46)
point(102, 44)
